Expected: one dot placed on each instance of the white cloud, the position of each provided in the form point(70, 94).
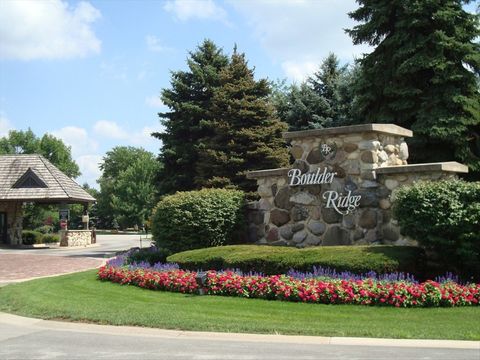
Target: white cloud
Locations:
point(83, 149)
point(296, 33)
point(51, 29)
point(154, 101)
point(89, 167)
point(78, 139)
point(109, 129)
point(85, 146)
point(5, 125)
point(154, 44)
point(185, 10)
point(114, 69)
point(89, 163)
point(143, 138)
point(299, 71)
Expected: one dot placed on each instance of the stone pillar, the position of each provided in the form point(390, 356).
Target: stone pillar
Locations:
point(14, 211)
point(75, 238)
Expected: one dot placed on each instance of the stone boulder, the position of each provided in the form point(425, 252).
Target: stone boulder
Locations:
point(316, 227)
point(279, 217)
point(335, 235)
point(303, 198)
point(299, 213)
point(368, 219)
point(299, 236)
point(330, 216)
point(282, 199)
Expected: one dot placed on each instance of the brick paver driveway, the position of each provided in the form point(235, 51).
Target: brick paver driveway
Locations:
point(15, 267)
point(21, 264)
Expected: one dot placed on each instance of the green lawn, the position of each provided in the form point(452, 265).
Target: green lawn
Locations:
point(80, 297)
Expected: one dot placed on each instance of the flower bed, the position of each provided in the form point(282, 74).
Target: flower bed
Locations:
point(368, 291)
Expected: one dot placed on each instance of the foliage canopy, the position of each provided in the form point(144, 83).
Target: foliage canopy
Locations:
point(423, 74)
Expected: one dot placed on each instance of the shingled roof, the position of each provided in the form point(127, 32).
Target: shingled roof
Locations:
point(34, 178)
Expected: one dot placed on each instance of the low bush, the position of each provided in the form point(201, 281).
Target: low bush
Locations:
point(151, 255)
point(45, 229)
point(443, 216)
point(30, 237)
point(279, 260)
point(50, 238)
point(198, 219)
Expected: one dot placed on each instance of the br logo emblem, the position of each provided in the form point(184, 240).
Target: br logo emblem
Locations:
point(328, 151)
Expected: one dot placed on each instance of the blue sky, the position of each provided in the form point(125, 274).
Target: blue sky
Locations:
point(90, 72)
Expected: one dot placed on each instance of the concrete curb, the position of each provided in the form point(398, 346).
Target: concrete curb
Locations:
point(240, 337)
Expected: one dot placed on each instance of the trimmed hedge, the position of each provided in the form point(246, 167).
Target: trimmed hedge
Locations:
point(50, 238)
point(278, 260)
point(151, 255)
point(30, 237)
point(198, 219)
point(444, 216)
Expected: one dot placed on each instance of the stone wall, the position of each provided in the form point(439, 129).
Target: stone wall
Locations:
point(75, 237)
point(369, 161)
point(14, 211)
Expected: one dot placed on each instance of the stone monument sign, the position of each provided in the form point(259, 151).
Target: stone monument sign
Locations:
point(339, 189)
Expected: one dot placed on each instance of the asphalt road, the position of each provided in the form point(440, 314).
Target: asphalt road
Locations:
point(24, 338)
point(106, 246)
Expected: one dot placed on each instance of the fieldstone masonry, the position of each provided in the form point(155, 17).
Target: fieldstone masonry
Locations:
point(365, 162)
point(14, 211)
point(75, 237)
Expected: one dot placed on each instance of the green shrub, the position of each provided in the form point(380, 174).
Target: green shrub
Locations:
point(30, 237)
point(45, 229)
point(197, 219)
point(151, 255)
point(50, 238)
point(443, 216)
point(276, 259)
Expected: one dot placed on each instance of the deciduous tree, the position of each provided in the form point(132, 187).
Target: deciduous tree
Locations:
point(52, 148)
point(127, 186)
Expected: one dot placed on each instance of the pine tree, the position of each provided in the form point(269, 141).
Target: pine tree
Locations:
point(422, 74)
point(302, 108)
point(333, 83)
point(324, 100)
point(247, 134)
point(189, 100)
point(325, 82)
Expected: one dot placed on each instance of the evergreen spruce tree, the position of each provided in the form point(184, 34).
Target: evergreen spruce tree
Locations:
point(324, 100)
point(333, 83)
point(325, 83)
point(422, 74)
point(189, 100)
point(302, 108)
point(247, 134)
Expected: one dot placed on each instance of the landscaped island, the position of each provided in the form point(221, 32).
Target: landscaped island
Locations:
point(399, 290)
